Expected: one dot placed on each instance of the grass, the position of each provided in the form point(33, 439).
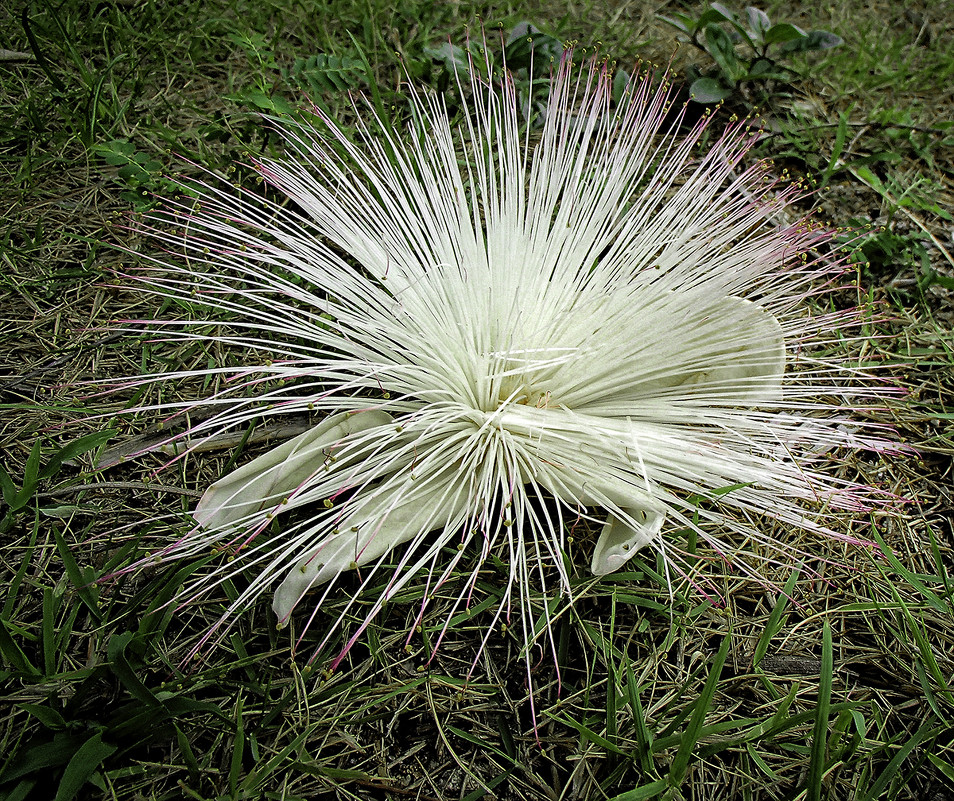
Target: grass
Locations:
point(838, 688)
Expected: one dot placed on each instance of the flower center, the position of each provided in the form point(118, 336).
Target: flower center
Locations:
point(519, 390)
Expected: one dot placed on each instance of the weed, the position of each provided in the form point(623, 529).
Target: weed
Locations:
point(718, 31)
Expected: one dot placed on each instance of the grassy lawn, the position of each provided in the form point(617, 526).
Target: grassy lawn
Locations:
point(839, 685)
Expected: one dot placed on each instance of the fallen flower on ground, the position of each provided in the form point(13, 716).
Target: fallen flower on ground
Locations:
point(501, 331)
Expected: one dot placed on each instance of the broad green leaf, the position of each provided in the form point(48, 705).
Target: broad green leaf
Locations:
point(42, 756)
point(681, 22)
point(48, 716)
point(453, 57)
point(783, 32)
point(723, 11)
point(530, 48)
point(813, 40)
point(758, 22)
point(621, 81)
point(708, 90)
point(720, 47)
point(764, 69)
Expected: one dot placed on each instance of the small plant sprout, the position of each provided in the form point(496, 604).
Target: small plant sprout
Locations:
point(501, 332)
point(746, 48)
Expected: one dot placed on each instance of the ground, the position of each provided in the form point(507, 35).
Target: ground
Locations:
point(656, 696)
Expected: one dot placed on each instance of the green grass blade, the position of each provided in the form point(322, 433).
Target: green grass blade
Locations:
point(590, 735)
point(876, 791)
point(816, 768)
point(650, 790)
point(774, 623)
point(82, 765)
point(841, 134)
point(81, 586)
point(74, 449)
point(13, 655)
point(644, 738)
point(680, 763)
point(238, 747)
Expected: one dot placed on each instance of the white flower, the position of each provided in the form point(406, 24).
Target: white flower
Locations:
point(502, 331)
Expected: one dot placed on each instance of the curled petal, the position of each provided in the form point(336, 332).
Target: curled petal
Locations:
point(270, 478)
point(392, 517)
point(619, 540)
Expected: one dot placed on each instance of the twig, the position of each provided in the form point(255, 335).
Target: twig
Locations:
point(15, 55)
point(127, 485)
point(168, 445)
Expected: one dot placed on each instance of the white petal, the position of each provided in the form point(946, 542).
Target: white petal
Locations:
point(377, 526)
point(743, 350)
point(264, 481)
point(619, 540)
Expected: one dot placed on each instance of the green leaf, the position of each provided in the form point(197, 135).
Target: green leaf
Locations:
point(83, 765)
point(929, 596)
point(644, 738)
point(326, 73)
point(591, 736)
point(8, 487)
point(764, 69)
point(453, 57)
point(841, 135)
point(124, 671)
point(876, 791)
point(40, 757)
point(775, 620)
point(21, 792)
point(81, 585)
point(681, 22)
point(12, 653)
point(758, 22)
point(116, 152)
point(944, 767)
point(271, 104)
point(717, 13)
point(720, 47)
point(708, 90)
point(238, 746)
point(30, 476)
point(813, 40)
point(376, 98)
point(866, 175)
point(483, 745)
point(530, 48)
point(621, 82)
point(783, 32)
